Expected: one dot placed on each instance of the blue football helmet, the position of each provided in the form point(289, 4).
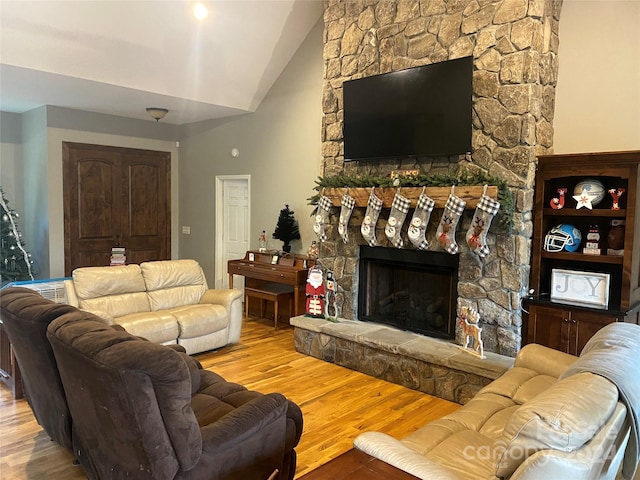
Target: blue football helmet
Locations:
point(563, 237)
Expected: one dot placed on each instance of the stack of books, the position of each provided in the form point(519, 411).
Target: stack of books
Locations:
point(118, 256)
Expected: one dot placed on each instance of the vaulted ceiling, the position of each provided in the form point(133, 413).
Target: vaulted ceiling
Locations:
point(120, 56)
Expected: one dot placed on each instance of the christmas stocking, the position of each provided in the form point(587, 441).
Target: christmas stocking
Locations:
point(446, 231)
point(399, 209)
point(368, 227)
point(324, 205)
point(347, 202)
point(477, 233)
point(418, 226)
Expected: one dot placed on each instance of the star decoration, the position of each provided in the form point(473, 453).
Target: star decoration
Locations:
point(585, 199)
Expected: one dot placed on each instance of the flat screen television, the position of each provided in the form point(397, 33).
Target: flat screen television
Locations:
point(420, 111)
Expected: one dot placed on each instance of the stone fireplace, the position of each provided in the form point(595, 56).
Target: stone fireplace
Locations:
point(514, 44)
point(411, 290)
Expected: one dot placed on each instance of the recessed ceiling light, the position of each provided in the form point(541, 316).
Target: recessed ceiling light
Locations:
point(200, 11)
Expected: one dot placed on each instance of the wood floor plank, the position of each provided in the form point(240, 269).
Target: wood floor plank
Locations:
point(337, 405)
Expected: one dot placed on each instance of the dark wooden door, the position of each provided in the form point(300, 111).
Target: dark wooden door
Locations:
point(115, 197)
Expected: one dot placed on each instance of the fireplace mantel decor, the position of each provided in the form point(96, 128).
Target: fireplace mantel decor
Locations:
point(468, 186)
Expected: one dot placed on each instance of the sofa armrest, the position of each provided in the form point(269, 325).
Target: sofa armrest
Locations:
point(544, 360)
point(221, 296)
point(394, 452)
point(231, 299)
point(70, 291)
point(245, 422)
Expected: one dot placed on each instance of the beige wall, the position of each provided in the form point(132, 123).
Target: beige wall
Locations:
point(279, 147)
point(598, 92)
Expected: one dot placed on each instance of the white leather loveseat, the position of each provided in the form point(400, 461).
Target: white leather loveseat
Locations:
point(552, 416)
point(166, 302)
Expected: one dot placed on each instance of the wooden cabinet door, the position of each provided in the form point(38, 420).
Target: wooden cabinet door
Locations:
point(584, 326)
point(115, 197)
point(563, 329)
point(549, 327)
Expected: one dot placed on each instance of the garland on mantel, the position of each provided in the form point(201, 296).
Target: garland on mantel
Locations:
point(465, 178)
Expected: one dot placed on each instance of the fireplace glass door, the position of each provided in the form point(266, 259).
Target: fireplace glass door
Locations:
point(408, 289)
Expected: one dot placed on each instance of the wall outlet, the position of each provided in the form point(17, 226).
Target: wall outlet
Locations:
point(186, 230)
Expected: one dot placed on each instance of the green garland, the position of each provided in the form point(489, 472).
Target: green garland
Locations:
point(505, 195)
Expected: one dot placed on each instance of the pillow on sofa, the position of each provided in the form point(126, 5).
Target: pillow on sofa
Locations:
point(564, 417)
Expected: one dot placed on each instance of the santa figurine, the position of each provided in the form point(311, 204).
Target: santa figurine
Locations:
point(315, 293)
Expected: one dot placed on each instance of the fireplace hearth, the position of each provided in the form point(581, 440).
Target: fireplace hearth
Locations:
point(411, 290)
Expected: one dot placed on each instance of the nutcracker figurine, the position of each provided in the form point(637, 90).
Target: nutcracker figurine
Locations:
point(331, 309)
point(315, 293)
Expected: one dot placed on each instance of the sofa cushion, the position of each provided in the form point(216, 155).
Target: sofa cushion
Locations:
point(172, 283)
point(175, 297)
point(198, 320)
point(117, 305)
point(472, 416)
point(466, 454)
point(519, 384)
point(564, 417)
point(171, 274)
point(95, 282)
point(158, 327)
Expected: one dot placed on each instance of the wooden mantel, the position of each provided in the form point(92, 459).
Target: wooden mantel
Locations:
point(470, 194)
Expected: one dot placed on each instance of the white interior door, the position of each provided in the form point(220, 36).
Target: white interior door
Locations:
point(232, 225)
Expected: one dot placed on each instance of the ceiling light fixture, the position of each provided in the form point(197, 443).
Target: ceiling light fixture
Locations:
point(200, 11)
point(157, 112)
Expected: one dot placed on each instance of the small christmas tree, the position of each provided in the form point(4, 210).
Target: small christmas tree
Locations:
point(287, 228)
point(15, 261)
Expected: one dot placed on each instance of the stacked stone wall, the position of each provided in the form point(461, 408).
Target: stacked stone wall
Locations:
point(514, 44)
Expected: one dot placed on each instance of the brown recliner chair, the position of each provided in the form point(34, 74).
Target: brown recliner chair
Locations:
point(143, 410)
point(25, 316)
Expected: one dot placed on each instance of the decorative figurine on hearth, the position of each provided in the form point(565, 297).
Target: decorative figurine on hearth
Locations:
point(469, 323)
point(331, 309)
point(315, 293)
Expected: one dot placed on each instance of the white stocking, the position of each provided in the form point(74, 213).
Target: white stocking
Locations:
point(399, 209)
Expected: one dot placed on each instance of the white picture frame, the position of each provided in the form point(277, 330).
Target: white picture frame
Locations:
point(582, 288)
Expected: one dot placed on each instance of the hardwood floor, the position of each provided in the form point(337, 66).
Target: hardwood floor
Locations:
point(337, 405)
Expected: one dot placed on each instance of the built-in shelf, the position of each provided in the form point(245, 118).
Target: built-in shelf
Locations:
point(585, 212)
point(581, 257)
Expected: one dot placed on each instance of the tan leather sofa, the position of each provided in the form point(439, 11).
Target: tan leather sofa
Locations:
point(167, 302)
point(551, 416)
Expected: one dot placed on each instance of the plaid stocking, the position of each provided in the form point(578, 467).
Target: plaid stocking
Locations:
point(446, 231)
point(418, 226)
point(399, 209)
point(477, 233)
point(368, 227)
point(324, 205)
point(347, 202)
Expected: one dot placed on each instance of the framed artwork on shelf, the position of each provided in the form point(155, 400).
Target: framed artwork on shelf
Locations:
point(581, 288)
